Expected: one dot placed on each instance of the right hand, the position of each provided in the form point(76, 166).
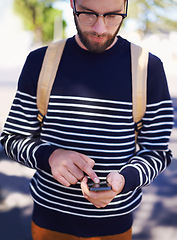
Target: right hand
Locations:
point(68, 167)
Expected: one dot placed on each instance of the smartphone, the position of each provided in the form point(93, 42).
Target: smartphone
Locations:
point(102, 186)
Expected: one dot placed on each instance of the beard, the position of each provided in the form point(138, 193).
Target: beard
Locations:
point(96, 47)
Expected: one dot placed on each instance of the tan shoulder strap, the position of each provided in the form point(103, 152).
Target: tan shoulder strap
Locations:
point(47, 76)
point(139, 58)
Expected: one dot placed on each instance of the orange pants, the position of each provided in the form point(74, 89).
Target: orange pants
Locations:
point(44, 234)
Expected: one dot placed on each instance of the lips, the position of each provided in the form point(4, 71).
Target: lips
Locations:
point(97, 38)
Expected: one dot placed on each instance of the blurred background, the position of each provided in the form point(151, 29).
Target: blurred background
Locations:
point(28, 24)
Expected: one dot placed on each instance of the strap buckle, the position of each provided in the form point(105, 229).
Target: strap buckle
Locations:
point(138, 126)
point(40, 118)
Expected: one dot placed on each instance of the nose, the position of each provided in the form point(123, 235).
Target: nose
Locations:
point(100, 27)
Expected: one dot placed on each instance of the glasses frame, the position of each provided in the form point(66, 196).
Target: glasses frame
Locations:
point(77, 13)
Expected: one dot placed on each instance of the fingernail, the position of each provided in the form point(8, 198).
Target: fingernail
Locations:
point(96, 180)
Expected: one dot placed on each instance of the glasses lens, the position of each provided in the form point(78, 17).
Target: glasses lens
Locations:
point(90, 19)
point(113, 20)
point(87, 19)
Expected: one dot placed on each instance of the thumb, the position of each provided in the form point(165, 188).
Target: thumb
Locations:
point(116, 180)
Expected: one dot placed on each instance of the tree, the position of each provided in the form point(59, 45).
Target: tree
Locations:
point(153, 15)
point(38, 16)
point(150, 16)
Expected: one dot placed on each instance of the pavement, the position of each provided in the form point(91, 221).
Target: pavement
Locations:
point(155, 219)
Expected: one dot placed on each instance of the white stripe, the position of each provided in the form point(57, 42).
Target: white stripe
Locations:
point(25, 101)
point(26, 94)
point(88, 135)
point(22, 146)
point(92, 150)
point(74, 201)
point(90, 121)
point(111, 158)
point(110, 165)
point(159, 103)
point(23, 114)
point(154, 144)
point(137, 168)
point(57, 191)
point(159, 110)
point(22, 127)
point(87, 142)
point(157, 124)
point(34, 152)
point(153, 138)
point(12, 131)
point(56, 184)
point(157, 117)
point(28, 154)
point(25, 108)
point(149, 166)
point(88, 114)
point(84, 127)
point(89, 216)
point(91, 99)
point(23, 120)
point(89, 106)
point(156, 131)
point(85, 209)
point(141, 173)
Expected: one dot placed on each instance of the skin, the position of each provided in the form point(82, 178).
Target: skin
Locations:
point(102, 198)
point(68, 167)
point(99, 37)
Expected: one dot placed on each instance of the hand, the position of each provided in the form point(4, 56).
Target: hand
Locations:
point(102, 198)
point(68, 167)
point(116, 180)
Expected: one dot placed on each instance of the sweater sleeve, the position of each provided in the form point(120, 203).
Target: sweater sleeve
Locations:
point(153, 155)
point(21, 134)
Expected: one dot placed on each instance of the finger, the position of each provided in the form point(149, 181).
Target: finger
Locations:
point(85, 167)
point(84, 187)
point(65, 177)
point(63, 181)
point(76, 172)
point(116, 180)
point(88, 160)
point(89, 195)
point(70, 177)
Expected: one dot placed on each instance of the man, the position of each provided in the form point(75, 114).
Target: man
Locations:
point(88, 131)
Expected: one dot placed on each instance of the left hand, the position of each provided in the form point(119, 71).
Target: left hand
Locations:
point(101, 199)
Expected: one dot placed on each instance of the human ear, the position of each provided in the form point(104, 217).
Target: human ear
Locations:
point(71, 3)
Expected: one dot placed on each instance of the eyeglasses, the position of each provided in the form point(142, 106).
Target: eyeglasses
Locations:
point(90, 18)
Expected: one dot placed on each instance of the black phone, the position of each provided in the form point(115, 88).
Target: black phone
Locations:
point(102, 186)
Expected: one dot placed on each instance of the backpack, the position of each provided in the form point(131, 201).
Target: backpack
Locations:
point(139, 63)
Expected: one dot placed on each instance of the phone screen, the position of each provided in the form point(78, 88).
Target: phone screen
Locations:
point(102, 186)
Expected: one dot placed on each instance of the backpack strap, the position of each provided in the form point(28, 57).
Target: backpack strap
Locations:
point(47, 76)
point(139, 59)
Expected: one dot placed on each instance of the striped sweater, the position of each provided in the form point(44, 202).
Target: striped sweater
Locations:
point(90, 111)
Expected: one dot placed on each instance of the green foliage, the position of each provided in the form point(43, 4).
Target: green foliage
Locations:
point(38, 16)
point(150, 15)
point(153, 15)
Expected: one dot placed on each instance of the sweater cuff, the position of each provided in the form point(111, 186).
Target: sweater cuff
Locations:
point(42, 157)
point(132, 179)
